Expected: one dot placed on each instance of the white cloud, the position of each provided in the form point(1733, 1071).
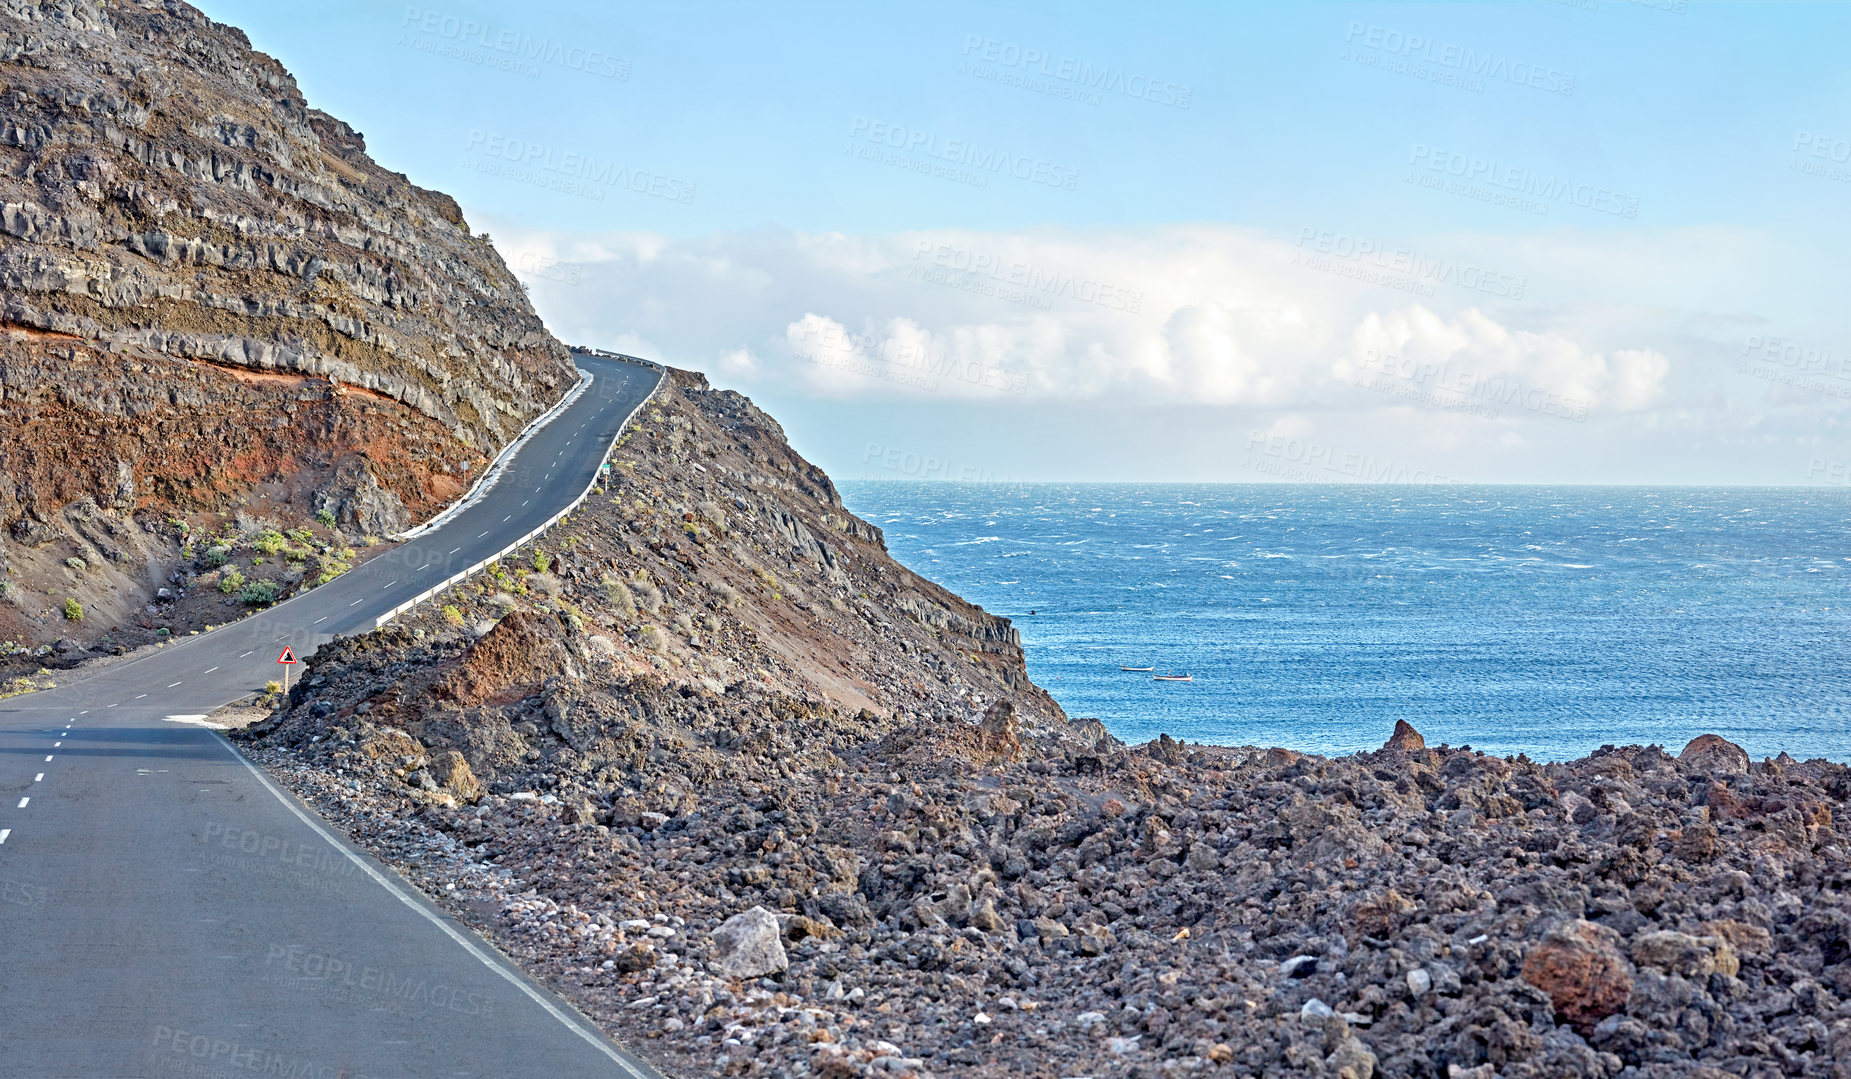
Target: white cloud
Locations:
point(1204, 315)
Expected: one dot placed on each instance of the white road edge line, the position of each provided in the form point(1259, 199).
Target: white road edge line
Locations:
point(576, 1026)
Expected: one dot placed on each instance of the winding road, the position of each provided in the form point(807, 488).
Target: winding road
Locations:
point(165, 910)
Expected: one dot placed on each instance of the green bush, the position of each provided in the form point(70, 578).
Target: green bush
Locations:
point(217, 556)
point(302, 536)
point(261, 593)
point(76, 565)
point(326, 517)
point(231, 582)
point(453, 614)
point(73, 611)
point(542, 561)
point(270, 542)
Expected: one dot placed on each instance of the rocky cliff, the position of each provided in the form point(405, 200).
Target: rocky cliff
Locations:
point(212, 301)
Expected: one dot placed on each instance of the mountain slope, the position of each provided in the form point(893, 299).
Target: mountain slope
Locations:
point(216, 303)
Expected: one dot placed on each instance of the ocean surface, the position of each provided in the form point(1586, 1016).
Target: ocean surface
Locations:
point(1540, 620)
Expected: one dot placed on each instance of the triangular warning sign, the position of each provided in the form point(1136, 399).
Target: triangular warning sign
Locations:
point(288, 656)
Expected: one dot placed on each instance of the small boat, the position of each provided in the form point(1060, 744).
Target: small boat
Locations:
point(1172, 678)
point(1137, 668)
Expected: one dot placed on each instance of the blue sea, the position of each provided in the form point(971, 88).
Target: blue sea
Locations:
point(1538, 620)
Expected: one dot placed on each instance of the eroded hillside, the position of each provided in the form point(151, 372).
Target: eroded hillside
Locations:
point(217, 306)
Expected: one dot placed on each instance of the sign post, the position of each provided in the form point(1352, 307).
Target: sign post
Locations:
point(288, 659)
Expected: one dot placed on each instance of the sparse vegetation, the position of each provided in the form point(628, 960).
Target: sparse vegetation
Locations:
point(652, 638)
point(73, 610)
point(261, 593)
point(541, 561)
point(617, 594)
point(231, 581)
point(270, 542)
point(217, 556)
point(453, 614)
point(76, 565)
point(648, 596)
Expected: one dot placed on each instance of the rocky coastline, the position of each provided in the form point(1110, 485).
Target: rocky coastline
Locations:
point(762, 802)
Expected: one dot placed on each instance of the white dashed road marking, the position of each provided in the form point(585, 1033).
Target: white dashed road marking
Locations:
point(40, 778)
point(319, 621)
point(4, 832)
point(48, 758)
point(175, 684)
point(23, 801)
point(211, 669)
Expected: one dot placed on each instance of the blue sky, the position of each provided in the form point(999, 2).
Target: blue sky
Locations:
point(1595, 241)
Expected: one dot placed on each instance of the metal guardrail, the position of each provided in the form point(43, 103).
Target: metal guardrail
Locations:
point(433, 592)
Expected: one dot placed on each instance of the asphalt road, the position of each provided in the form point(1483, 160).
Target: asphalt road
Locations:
point(166, 911)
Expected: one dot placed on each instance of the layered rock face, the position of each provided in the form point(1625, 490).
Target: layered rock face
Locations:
point(212, 299)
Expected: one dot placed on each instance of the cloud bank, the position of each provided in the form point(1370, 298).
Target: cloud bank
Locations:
point(1211, 315)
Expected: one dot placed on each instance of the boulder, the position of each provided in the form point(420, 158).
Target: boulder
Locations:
point(1685, 955)
point(749, 945)
point(1405, 739)
point(1578, 965)
point(453, 774)
point(1714, 754)
point(999, 730)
